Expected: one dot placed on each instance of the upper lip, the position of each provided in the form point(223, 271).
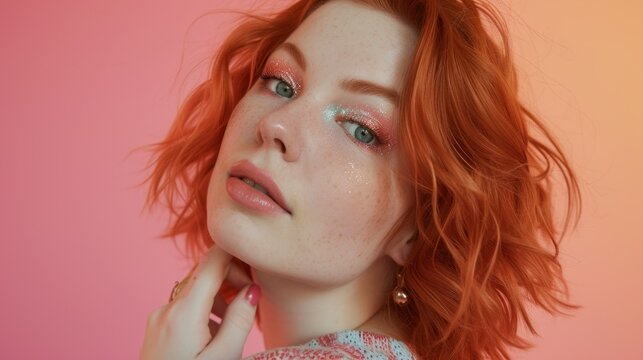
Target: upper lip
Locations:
point(245, 168)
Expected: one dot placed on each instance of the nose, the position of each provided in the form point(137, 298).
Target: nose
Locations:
point(276, 131)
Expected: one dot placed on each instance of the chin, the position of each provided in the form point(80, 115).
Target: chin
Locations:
point(232, 233)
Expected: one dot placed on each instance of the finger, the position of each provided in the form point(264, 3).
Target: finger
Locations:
point(235, 327)
point(236, 280)
point(179, 287)
point(206, 280)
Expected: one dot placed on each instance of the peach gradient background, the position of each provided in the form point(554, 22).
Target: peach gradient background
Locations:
point(84, 82)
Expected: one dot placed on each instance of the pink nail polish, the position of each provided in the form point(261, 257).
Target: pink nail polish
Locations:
point(253, 294)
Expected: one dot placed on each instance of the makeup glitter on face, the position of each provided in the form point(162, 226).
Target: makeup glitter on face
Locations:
point(328, 141)
point(363, 118)
point(280, 69)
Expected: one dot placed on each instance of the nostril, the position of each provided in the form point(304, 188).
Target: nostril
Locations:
point(281, 145)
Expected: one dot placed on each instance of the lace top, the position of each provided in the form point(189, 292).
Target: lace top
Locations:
point(347, 344)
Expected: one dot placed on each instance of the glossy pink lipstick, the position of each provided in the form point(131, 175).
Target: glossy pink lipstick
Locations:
point(255, 189)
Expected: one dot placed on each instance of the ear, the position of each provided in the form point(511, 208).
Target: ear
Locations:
point(400, 246)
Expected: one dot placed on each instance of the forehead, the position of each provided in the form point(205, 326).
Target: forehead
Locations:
point(348, 39)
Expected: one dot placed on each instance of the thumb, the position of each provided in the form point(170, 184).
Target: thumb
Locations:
point(235, 326)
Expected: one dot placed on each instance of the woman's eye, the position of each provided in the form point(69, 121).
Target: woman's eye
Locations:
point(280, 87)
point(360, 132)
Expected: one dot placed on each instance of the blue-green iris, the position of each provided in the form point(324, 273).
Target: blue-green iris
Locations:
point(363, 134)
point(285, 90)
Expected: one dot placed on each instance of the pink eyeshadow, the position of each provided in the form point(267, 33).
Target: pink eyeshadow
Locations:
point(281, 69)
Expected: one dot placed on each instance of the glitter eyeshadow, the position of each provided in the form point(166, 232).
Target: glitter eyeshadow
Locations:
point(361, 116)
point(331, 112)
point(280, 69)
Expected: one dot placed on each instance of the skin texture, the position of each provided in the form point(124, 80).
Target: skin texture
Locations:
point(336, 230)
point(182, 329)
point(327, 266)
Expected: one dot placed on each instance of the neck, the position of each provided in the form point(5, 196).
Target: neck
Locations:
point(292, 312)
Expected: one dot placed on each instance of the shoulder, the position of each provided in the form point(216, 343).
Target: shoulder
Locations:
point(348, 344)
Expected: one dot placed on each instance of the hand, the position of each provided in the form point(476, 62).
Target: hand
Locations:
point(183, 330)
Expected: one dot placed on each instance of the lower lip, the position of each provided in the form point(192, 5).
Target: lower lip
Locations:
point(252, 198)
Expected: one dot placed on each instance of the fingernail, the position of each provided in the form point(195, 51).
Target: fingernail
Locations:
point(253, 294)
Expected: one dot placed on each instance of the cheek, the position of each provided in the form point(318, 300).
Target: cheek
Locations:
point(239, 126)
point(348, 218)
point(354, 205)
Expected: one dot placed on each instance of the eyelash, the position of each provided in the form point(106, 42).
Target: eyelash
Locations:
point(267, 78)
point(377, 143)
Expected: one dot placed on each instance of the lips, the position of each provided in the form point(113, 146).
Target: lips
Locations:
point(260, 180)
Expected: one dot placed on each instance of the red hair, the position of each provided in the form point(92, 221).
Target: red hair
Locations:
point(486, 244)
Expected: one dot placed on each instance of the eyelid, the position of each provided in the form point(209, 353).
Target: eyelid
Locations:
point(364, 118)
point(374, 132)
point(281, 70)
point(376, 139)
point(267, 78)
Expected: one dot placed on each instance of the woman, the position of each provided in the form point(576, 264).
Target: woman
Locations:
point(365, 179)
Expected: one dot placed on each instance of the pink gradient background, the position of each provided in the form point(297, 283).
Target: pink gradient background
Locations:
point(84, 82)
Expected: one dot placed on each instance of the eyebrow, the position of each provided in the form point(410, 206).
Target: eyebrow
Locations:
point(369, 88)
point(353, 85)
point(294, 51)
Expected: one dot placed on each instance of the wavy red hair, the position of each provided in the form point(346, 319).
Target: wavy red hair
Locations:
point(486, 244)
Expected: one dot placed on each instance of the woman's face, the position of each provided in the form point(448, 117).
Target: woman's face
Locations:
point(320, 121)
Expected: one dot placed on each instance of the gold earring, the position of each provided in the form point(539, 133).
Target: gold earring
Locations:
point(400, 296)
